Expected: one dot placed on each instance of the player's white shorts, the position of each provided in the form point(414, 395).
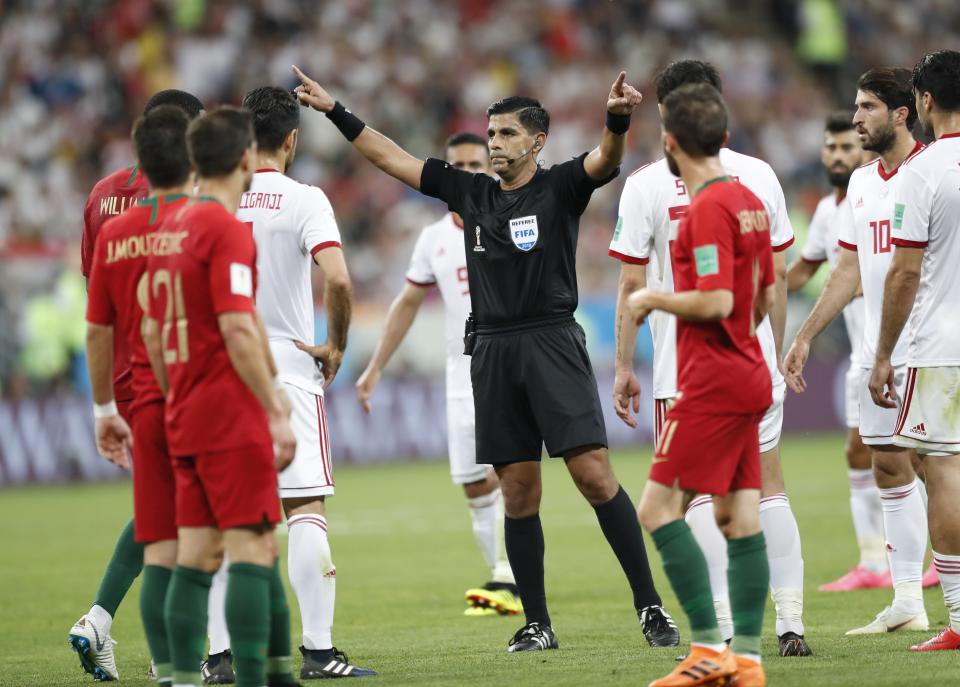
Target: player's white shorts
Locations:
point(930, 418)
point(770, 426)
point(311, 472)
point(851, 387)
point(461, 442)
point(878, 425)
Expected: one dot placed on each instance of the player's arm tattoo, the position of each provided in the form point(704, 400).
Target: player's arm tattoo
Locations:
point(632, 278)
point(899, 293)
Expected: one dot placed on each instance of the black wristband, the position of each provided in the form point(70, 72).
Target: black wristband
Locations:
point(617, 124)
point(348, 123)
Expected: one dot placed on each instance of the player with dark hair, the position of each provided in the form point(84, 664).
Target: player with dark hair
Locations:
point(531, 374)
point(923, 284)
point(439, 259)
point(651, 207)
point(117, 300)
point(841, 154)
point(90, 635)
point(225, 416)
point(883, 120)
point(723, 267)
point(294, 228)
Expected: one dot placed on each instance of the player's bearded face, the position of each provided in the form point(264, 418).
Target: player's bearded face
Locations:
point(923, 116)
point(671, 161)
point(841, 154)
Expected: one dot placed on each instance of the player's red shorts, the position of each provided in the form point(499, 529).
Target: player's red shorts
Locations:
point(226, 489)
point(708, 454)
point(123, 408)
point(154, 492)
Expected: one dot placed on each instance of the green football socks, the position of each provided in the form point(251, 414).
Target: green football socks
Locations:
point(185, 613)
point(123, 568)
point(686, 569)
point(153, 595)
point(249, 621)
point(748, 575)
point(279, 661)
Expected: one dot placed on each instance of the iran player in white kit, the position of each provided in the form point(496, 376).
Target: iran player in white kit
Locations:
point(439, 259)
point(841, 154)
point(652, 203)
point(884, 116)
point(924, 278)
point(294, 227)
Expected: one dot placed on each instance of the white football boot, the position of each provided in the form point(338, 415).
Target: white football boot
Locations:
point(891, 619)
point(94, 648)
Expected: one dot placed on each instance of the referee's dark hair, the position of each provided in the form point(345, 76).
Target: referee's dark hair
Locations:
point(893, 87)
point(160, 142)
point(839, 121)
point(187, 102)
point(681, 72)
point(530, 112)
point(697, 116)
point(218, 139)
point(275, 114)
point(465, 138)
point(938, 73)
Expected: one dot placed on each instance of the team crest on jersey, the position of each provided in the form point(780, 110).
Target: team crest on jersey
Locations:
point(524, 232)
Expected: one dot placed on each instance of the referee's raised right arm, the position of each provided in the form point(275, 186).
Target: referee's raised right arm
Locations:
point(374, 146)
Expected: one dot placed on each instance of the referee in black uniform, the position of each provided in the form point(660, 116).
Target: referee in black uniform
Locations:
point(532, 379)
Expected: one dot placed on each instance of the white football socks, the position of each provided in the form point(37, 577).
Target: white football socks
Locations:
point(867, 519)
point(313, 578)
point(702, 522)
point(948, 568)
point(486, 512)
point(905, 522)
point(217, 610)
point(786, 561)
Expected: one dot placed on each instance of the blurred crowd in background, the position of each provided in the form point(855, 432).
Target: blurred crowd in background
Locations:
point(74, 74)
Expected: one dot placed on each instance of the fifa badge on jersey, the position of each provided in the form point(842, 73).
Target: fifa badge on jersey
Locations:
point(618, 228)
point(524, 232)
point(898, 215)
point(708, 262)
point(478, 248)
point(241, 279)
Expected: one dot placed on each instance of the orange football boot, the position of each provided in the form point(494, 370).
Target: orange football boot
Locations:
point(702, 666)
point(749, 674)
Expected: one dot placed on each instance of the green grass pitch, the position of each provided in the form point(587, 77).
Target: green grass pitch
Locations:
point(405, 553)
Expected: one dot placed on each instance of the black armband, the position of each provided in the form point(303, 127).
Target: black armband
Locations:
point(617, 124)
point(348, 123)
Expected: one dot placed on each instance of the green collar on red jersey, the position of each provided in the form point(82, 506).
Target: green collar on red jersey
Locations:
point(133, 175)
point(710, 182)
point(154, 202)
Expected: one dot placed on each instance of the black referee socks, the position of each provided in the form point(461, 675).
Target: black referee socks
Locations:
point(523, 538)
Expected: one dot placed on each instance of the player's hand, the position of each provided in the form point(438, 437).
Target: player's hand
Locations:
point(623, 98)
point(626, 393)
point(365, 385)
point(327, 358)
point(113, 438)
point(312, 94)
point(793, 365)
point(883, 389)
point(639, 305)
point(284, 443)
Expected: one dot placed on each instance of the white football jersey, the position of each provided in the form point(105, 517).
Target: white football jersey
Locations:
point(821, 246)
point(439, 258)
point(927, 214)
point(652, 203)
point(291, 223)
point(864, 224)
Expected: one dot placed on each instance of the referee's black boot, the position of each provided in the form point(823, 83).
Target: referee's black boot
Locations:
point(658, 627)
point(533, 637)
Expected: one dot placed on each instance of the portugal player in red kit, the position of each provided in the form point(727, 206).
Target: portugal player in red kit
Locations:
point(723, 268)
point(224, 415)
point(117, 301)
point(113, 195)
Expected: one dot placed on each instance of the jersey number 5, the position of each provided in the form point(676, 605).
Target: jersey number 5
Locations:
point(172, 284)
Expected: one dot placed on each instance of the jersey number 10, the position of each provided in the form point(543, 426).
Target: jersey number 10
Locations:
point(881, 236)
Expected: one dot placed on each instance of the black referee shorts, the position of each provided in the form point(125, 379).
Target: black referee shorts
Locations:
point(532, 385)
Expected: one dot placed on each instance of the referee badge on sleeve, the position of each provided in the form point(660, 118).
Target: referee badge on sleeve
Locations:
point(524, 232)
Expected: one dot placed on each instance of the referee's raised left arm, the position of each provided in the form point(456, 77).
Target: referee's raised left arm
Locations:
point(601, 162)
point(374, 146)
